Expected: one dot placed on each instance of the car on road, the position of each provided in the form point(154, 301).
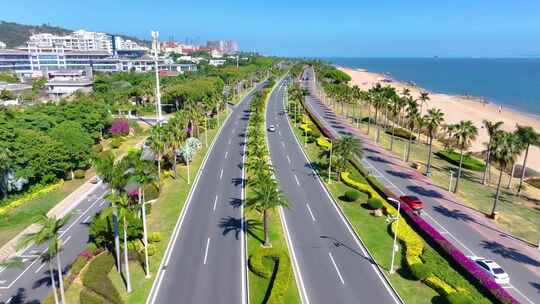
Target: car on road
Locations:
point(95, 180)
point(271, 128)
point(413, 202)
point(493, 269)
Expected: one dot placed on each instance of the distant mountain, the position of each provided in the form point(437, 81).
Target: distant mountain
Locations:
point(16, 34)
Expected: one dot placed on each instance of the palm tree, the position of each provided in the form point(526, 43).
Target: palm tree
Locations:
point(465, 132)
point(144, 174)
point(49, 234)
point(266, 197)
point(123, 207)
point(158, 144)
point(412, 118)
point(176, 133)
point(491, 128)
point(504, 151)
point(344, 149)
point(433, 120)
point(527, 137)
point(424, 97)
point(396, 103)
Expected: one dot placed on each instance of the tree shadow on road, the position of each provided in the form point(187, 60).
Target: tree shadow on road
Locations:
point(509, 253)
point(424, 192)
point(232, 224)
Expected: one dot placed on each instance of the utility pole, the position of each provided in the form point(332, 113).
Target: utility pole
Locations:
point(330, 162)
point(394, 246)
point(155, 45)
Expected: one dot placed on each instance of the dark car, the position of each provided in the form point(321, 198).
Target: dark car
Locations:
point(413, 202)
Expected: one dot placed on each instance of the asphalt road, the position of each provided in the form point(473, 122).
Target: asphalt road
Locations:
point(466, 229)
point(31, 283)
point(330, 263)
point(205, 260)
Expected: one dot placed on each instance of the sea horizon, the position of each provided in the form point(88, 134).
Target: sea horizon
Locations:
point(509, 82)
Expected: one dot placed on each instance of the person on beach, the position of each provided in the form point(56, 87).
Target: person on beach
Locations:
point(500, 109)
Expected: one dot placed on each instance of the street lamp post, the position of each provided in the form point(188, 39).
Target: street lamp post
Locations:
point(330, 162)
point(394, 246)
point(155, 44)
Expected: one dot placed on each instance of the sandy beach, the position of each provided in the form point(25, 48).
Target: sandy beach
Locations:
point(458, 108)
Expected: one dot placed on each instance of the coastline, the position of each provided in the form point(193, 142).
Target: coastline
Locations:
point(458, 107)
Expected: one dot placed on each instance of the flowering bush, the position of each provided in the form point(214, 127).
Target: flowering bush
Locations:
point(323, 143)
point(119, 127)
point(189, 149)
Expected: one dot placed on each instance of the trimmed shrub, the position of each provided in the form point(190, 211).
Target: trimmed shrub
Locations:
point(96, 278)
point(150, 192)
point(255, 263)
point(375, 203)
point(154, 237)
point(87, 297)
point(283, 275)
point(79, 174)
point(151, 249)
point(439, 285)
point(350, 195)
point(420, 271)
point(92, 248)
point(469, 162)
point(402, 133)
point(459, 298)
point(116, 142)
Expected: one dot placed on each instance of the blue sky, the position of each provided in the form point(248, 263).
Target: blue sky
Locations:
point(391, 28)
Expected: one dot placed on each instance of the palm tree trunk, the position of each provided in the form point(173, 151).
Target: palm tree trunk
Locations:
point(428, 166)
point(116, 239)
point(266, 232)
point(488, 152)
point(409, 146)
point(126, 260)
point(53, 283)
point(369, 119)
point(497, 194)
point(392, 139)
point(523, 170)
point(511, 176)
point(145, 233)
point(174, 163)
point(378, 126)
point(159, 167)
point(459, 172)
point(60, 278)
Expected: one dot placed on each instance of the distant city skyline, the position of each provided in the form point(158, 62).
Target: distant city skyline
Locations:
point(416, 28)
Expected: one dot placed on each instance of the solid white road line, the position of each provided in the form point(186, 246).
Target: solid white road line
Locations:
point(229, 141)
point(221, 174)
point(243, 243)
point(215, 202)
point(337, 269)
point(226, 153)
point(9, 300)
point(206, 251)
point(310, 213)
point(67, 240)
point(2, 268)
point(102, 203)
point(87, 219)
point(296, 179)
point(39, 268)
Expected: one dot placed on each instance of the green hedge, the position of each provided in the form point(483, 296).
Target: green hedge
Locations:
point(281, 281)
point(535, 182)
point(96, 278)
point(350, 196)
point(420, 271)
point(469, 162)
point(402, 133)
point(87, 297)
point(459, 298)
point(375, 203)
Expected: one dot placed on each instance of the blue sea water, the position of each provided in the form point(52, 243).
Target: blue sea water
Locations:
point(513, 83)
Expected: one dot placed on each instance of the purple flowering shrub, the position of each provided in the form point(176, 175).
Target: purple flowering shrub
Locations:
point(119, 127)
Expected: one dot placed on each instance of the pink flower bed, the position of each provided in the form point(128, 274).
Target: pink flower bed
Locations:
point(119, 127)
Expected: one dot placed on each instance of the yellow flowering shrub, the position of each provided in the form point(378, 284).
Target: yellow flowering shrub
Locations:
point(323, 143)
point(439, 285)
point(18, 202)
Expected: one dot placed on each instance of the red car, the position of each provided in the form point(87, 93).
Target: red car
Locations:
point(413, 202)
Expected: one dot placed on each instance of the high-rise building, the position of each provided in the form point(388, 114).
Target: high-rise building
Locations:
point(225, 47)
point(2, 45)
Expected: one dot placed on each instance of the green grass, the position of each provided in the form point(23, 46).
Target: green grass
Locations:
point(375, 234)
point(523, 210)
point(469, 162)
point(535, 182)
point(18, 219)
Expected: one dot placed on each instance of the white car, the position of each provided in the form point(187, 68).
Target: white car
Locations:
point(493, 269)
point(272, 128)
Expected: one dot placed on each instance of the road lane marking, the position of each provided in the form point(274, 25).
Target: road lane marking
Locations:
point(9, 300)
point(310, 213)
point(102, 203)
point(296, 179)
point(87, 219)
point(288, 159)
point(215, 203)
point(2, 268)
point(206, 251)
point(229, 141)
point(40, 267)
point(67, 240)
point(226, 153)
point(283, 144)
point(279, 132)
point(337, 269)
point(221, 174)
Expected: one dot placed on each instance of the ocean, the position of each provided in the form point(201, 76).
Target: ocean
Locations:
point(512, 83)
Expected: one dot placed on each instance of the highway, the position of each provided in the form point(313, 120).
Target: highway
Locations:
point(31, 283)
point(467, 229)
point(331, 265)
point(205, 258)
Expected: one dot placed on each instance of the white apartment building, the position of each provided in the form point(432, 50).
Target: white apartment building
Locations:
point(127, 44)
point(80, 40)
point(2, 45)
